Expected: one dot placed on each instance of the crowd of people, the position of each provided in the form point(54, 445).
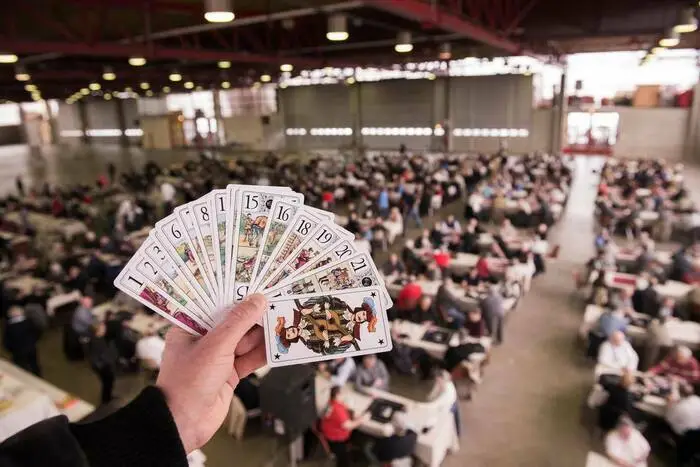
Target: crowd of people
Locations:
point(631, 370)
point(511, 202)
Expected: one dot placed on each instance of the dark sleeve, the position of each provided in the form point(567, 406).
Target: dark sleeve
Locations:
point(142, 434)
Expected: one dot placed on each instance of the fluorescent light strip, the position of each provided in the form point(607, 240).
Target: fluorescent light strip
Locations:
point(491, 132)
point(102, 133)
point(399, 131)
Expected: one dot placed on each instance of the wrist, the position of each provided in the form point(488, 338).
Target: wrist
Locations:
point(183, 423)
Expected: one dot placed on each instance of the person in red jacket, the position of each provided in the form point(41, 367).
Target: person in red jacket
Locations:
point(409, 295)
point(337, 425)
point(483, 271)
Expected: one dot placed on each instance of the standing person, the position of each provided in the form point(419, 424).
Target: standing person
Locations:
point(444, 395)
point(20, 340)
point(494, 312)
point(111, 172)
point(103, 359)
point(337, 426)
point(83, 319)
point(383, 203)
point(167, 193)
point(20, 186)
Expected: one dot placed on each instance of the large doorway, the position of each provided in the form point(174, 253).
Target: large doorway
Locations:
point(591, 132)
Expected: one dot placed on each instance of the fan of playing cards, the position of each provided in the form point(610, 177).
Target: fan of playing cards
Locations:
point(326, 298)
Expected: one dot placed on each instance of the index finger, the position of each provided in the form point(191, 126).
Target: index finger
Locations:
point(239, 321)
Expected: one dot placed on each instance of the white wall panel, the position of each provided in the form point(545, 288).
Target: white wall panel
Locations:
point(652, 133)
point(68, 117)
point(501, 101)
point(101, 114)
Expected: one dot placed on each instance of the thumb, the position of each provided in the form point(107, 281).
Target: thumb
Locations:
point(241, 318)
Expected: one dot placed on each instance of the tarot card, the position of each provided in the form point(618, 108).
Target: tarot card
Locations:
point(222, 204)
point(171, 234)
point(310, 328)
point(355, 272)
point(232, 225)
point(154, 276)
point(303, 227)
point(336, 253)
point(187, 219)
point(202, 212)
point(320, 213)
point(134, 284)
point(153, 248)
point(318, 243)
point(282, 214)
point(253, 209)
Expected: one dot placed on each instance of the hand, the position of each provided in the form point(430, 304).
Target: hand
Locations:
point(198, 375)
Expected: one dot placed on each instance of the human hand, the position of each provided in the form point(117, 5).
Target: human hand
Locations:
point(198, 375)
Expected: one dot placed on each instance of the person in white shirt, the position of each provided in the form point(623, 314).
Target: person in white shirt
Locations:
point(167, 193)
point(626, 446)
point(617, 353)
point(683, 416)
point(149, 349)
point(443, 396)
point(339, 370)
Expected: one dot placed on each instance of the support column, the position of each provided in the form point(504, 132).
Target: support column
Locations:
point(560, 115)
point(53, 130)
point(441, 115)
point(121, 119)
point(218, 118)
point(692, 139)
point(23, 124)
point(355, 97)
point(82, 114)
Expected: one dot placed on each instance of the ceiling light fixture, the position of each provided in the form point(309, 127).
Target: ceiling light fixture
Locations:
point(8, 58)
point(445, 52)
point(108, 74)
point(404, 42)
point(30, 87)
point(84, 91)
point(224, 64)
point(175, 76)
point(265, 78)
point(149, 93)
point(225, 85)
point(166, 89)
point(144, 85)
point(337, 28)
point(189, 84)
point(94, 86)
point(21, 73)
point(286, 67)
point(137, 61)
point(218, 11)
point(108, 97)
point(687, 22)
point(670, 39)
point(350, 80)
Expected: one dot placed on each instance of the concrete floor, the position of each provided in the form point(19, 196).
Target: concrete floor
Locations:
point(527, 411)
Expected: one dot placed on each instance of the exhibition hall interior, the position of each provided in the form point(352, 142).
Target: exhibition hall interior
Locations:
point(350, 233)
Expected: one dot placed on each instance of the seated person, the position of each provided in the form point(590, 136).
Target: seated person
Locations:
point(600, 293)
point(680, 364)
point(446, 304)
point(475, 325)
point(424, 241)
point(483, 270)
point(601, 240)
point(617, 353)
point(372, 373)
point(436, 236)
point(457, 361)
point(337, 425)
point(425, 312)
point(683, 416)
point(611, 321)
point(393, 266)
point(619, 402)
point(339, 371)
point(400, 445)
point(433, 272)
point(472, 279)
point(643, 260)
point(451, 226)
point(645, 298)
point(626, 446)
point(623, 301)
point(409, 296)
point(507, 232)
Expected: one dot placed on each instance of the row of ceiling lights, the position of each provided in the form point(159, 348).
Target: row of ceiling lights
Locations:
point(687, 22)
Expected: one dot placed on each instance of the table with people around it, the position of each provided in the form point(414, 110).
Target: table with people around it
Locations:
point(641, 323)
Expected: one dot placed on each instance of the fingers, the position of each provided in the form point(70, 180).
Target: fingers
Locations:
point(252, 339)
point(244, 316)
point(177, 337)
point(248, 363)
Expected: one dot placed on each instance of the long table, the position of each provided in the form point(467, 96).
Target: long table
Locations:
point(32, 400)
point(671, 289)
point(140, 322)
point(650, 404)
point(412, 335)
point(682, 332)
point(49, 224)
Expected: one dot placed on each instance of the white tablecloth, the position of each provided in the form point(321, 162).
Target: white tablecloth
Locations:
point(650, 404)
point(139, 323)
point(671, 289)
point(411, 334)
point(28, 407)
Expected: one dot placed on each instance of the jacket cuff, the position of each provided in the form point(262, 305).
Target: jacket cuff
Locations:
point(141, 433)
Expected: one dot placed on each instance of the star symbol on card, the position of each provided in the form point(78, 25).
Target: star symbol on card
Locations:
point(381, 341)
point(373, 294)
point(272, 307)
point(277, 356)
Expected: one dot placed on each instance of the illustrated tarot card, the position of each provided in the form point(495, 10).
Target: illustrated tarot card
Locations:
point(312, 328)
point(187, 219)
point(338, 252)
